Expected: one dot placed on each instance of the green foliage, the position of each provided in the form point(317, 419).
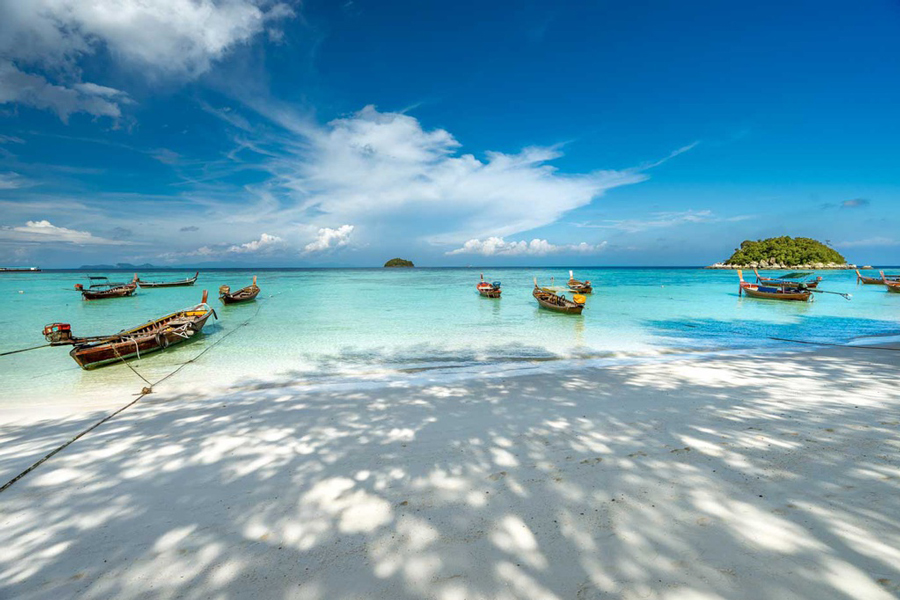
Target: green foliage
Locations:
point(399, 262)
point(785, 251)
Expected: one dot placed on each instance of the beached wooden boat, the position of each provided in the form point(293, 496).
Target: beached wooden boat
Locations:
point(100, 288)
point(549, 299)
point(581, 287)
point(242, 295)
point(153, 336)
point(790, 279)
point(773, 291)
point(177, 283)
point(892, 285)
point(489, 290)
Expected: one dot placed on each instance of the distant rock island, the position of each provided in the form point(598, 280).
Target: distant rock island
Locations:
point(128, 266)
point(784, 253)
point(399, 262)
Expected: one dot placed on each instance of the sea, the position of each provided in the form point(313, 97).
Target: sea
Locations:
point(338, 326)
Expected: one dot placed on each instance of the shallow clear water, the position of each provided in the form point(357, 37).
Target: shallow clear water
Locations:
point(315, 324)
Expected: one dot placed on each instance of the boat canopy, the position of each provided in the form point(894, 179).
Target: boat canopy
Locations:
point(794, 275)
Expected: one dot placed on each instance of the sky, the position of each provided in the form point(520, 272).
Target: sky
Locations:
point(280, 133)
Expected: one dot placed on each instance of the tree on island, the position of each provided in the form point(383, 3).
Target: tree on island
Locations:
point(785, 251)
point(399, 262)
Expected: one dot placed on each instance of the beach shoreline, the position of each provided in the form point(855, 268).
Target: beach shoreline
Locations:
point(745, 476)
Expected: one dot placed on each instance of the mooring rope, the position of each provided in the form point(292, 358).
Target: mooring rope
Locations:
point(145, 391)
point(24, 349)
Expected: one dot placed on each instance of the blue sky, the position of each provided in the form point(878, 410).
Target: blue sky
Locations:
point(267, 132)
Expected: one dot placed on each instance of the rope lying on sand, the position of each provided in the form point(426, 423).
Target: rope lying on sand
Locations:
point(144, 392)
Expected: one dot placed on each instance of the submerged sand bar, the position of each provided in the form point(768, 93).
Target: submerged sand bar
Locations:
point(735, 477)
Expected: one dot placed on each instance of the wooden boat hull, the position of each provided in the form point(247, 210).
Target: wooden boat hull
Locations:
point(893, 286)
point(161, 284)
point(151, 337)
point(117, 292)
point(869, 280)
point(778, 282)
point(238, 297)
point(242, 295)
point(580, 287)
point(773, 293)
point(490, 293)
point(546, 300)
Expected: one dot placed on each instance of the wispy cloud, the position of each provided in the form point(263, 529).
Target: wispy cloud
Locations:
point(45, 232)
point(497, 246)
point(855, 203)
point(375, 169)
point(12, 181)
point(659, 220)
point(872, 241)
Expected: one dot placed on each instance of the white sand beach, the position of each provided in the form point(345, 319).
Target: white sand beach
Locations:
point(737, 477)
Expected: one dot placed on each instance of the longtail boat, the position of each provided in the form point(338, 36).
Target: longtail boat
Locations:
point(581, 287)
point(242, 295)
point(772, 291)
point(100, 288)
point(860, 278)
point(177, 283)
point(549, 299)
point(790, 279)
point(892, 285)
point(489, 290)
point(152, 336)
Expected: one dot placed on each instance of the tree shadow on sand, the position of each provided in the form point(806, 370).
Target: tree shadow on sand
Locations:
point(715, 479)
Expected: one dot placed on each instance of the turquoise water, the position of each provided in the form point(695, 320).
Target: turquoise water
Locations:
point(312, 325)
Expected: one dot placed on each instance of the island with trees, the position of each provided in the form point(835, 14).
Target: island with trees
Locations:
point(784, 253)
point(399, 262)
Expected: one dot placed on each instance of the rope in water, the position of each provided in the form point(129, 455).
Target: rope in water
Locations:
point(24, 350)
point(144, 392)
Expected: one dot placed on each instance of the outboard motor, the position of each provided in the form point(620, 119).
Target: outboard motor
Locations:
point(58, 333)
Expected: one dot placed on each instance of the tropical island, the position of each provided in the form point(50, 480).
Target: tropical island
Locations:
point(784, 252)
point(399, 262)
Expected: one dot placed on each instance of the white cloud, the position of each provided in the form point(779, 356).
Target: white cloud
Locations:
point(328, 238)
point(35, 90)
point(12, 181)
point(873, 241)
point(497, 246)
point(169, 38)
point(265, 243)
point(44, 231)
point(381, 169)
point(660, 220)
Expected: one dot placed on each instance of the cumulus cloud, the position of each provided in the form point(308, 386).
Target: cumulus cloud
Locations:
point(379, 169)
point(328, 238)
point(45, 232)
point(265, 243)
point(497, 246)
point(163, 38)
